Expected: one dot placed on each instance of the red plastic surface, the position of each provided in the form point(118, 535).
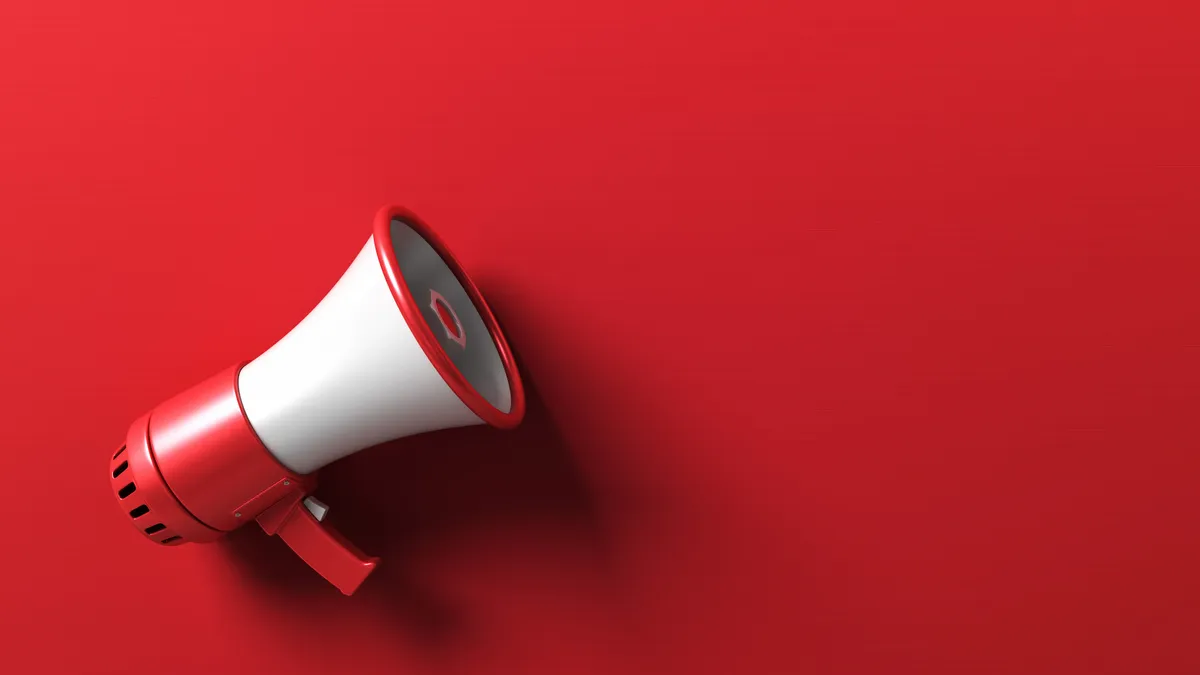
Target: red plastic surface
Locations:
point(211, 458)
point(860, 336)
point(324, 549)
point(214, 474)
point(151, 506)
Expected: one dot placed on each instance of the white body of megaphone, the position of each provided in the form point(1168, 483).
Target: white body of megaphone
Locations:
point(403, 344)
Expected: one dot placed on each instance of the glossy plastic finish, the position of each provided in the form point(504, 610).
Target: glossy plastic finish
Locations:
point(211, 458)
point(198, 470)
point(145, 497)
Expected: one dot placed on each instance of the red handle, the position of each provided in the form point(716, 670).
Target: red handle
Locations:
point(322, 547)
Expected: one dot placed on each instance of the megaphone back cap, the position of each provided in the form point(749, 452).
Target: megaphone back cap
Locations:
point(485, 378)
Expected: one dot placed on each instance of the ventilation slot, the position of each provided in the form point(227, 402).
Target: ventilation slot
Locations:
point(119, 452)
point(171, 539)
point(139, 511)
point(157, 527)
point(120, 469)
point(127, 490)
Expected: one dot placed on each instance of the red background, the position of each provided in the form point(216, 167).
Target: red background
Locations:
point(863, 334)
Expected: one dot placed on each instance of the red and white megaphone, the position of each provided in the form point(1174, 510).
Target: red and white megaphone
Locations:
point(403, 344)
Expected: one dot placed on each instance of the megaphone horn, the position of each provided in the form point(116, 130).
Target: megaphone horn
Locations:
point(403, 344)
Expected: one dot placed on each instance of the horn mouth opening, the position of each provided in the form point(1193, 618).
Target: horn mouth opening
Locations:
point(449, 317)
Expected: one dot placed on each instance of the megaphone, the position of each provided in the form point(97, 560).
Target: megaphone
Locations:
point(403, 344)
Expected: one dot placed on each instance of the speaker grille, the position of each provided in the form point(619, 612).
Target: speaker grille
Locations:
point(124, 483)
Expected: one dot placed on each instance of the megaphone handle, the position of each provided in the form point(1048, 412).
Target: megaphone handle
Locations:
point(324, 549)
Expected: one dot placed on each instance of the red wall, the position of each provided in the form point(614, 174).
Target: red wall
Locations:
point(863, 334)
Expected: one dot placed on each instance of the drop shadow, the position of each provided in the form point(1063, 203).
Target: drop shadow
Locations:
point(408, 498)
